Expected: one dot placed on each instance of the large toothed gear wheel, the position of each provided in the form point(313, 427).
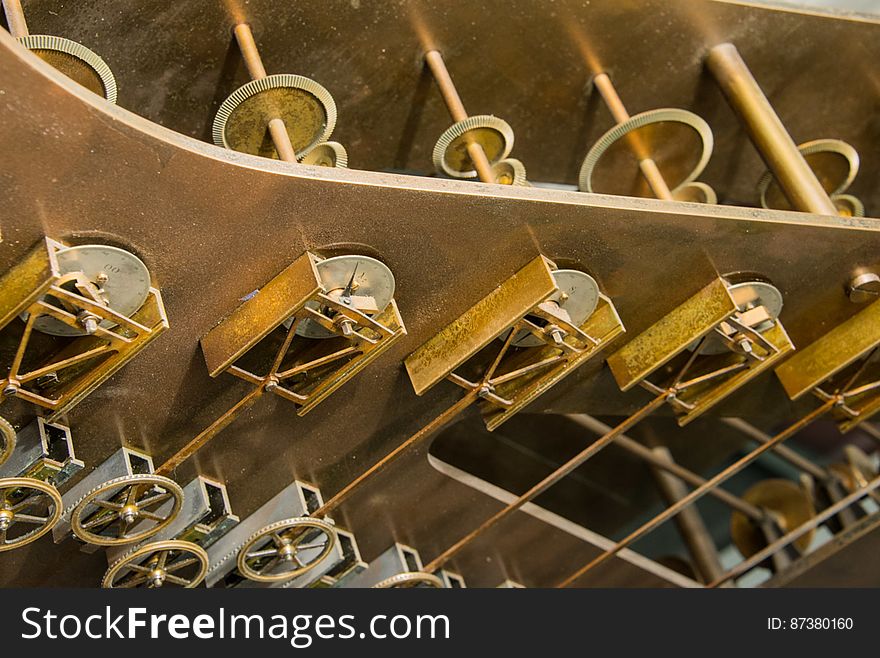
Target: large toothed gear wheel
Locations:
point(286, 549)
point(126, 510)
point(75, 61)
point(307, 109)
point(410, 579)
point(7, 439)
point(172, 562)
point(679, 142)
point(29, 508)
point(120, 277)
point(510, 171)
point(835, 164)
point(326, 154)
point(494, 135)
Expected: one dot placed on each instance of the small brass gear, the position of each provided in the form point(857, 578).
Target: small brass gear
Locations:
point(127, 502)
point(7, 439)
point(655, 128)
point(307, 109)
point(326, 154)
point(75, 61)
point(494, 135)
point(510, 171)
point(410, 579)
point(835, 163)
point(280, 544)
point(787, 501)
point(19, 497)
point(695, 192)
point(158, 564)
point(847, 205)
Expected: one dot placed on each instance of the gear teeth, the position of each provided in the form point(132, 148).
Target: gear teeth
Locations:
point(709, 195)
point(854, 205)
point(333, 150)
point(837, 146)
point(407, 577)
point(318, 524)
point(87, 56)
point(663, 115)
point(7, 431)
point(157, 480)
point(165, 545)
point(456, 130)
point(512, 167)
point(39, 485)
point(277, 81)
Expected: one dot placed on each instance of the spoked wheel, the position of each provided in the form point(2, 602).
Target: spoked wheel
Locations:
point(410, 579)
point(28, 510)
point(126, 510)
point(157, 564)
point(7, 439)
point(286, 549)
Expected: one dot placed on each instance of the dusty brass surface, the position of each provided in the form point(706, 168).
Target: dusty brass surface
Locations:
point(155, 172)
point(790, 505)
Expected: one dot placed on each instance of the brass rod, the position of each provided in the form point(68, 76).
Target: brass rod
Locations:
point(456, 110)
point(648, 167)
point(690, 524)
point(769, 136)
point(699, 492)
point(426, 432)
point(670, 466)
point(573, 463)
point(15, 18)
point(797, 532)
point(277, 130)
point(208, 433)
point(786, 453)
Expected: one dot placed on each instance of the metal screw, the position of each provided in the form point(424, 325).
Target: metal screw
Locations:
point(89, 322)
point(10, 389)
point(271, 385)
point(863, 288)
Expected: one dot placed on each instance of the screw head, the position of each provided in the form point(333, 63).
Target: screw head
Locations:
point(863, 288)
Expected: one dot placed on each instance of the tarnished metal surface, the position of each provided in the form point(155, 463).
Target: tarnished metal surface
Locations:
point(213, 226)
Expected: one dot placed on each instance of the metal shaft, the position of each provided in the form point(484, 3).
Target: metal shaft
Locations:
point(669, 466)
point(457, 112)
point(426, 432)
point(789, 455)
point(690, 524)
point(647, 165)
point(699, 492)
point(277, 130)
point(797, 533)
point(770, 137)
point(602, 442)
point(15, 18)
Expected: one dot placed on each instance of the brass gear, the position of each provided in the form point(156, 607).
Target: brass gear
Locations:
point(326, 154)
point(284, 549)
point(695, 192)
point(307, 108)
point(75, 61)
point(410, 579)
point(162, 570)
point(651, 118)
point(7, 436)
point(494, 135)
point(787, 501)
point(12, 502)
point(510, 171)
point(124, 509)
point(835, 164)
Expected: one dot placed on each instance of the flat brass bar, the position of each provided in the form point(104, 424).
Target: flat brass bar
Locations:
point(602, 442)
point(647, 165)
point(15, 18)
point(456, 110)
point(789, 455)
point(699, 492)
point(426, 432)
point(248, 46)
point(797, 532)
point(167, 468)
point(690, 524)
point(670, 466)
point(775, 145)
